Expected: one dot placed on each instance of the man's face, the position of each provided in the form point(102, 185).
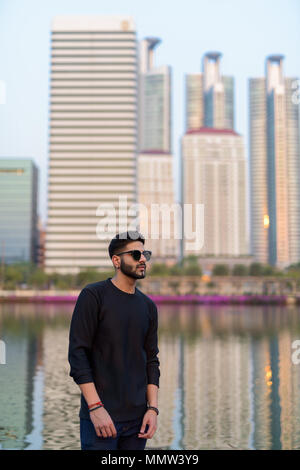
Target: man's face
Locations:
point(130, 267)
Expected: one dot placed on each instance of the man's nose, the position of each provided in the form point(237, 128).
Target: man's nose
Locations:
point(142, 258)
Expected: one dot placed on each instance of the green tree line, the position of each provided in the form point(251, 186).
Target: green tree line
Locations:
point(26, 275)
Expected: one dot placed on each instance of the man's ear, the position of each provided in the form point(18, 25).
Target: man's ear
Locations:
point(116, 263)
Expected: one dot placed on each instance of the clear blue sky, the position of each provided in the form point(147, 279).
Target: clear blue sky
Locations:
point(245, 31)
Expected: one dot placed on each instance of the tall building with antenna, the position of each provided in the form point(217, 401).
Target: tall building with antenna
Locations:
point(209, 96)
point(274, 166)
point(156, 191)
point(213, 167)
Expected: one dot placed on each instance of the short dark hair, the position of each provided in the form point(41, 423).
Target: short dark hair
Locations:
point(122, 239)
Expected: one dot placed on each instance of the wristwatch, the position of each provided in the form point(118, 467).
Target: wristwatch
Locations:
point(153, 408)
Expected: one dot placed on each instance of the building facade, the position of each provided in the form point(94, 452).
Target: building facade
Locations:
point(154, 100)
point(209, 96)
point(214, 176)
point(93, 139)
point(213, 167)
point(158, 214)
point(156, 192)
point(274, 167)
point(18, 210)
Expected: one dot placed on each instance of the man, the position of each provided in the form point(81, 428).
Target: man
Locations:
point(113, 353)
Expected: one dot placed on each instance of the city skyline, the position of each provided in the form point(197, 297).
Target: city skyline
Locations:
point(24, 134)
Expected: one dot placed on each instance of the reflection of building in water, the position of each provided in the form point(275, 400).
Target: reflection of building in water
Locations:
point(167, 395)
point(295, 415)
point(61, 394)
point(16, 385)
point(261, 381)
point(289, 386)
point(286, 391)
point(276, 385)
point(216, 399)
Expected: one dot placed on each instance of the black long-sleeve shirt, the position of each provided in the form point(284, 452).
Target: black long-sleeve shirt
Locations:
point(113, 343)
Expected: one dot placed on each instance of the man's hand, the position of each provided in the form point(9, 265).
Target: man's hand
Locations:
point(103, 423)
point(150, 418)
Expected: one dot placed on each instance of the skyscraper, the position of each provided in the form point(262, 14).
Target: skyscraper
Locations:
point(93, 138)
point(154, 100)
point(209, 96)
point(274, 167)
point(214, 175)
point(155, 162)
point(213, 166)
point(18, 210)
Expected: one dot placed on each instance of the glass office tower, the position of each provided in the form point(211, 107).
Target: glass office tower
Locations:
point(274, 167)
point(18, 210)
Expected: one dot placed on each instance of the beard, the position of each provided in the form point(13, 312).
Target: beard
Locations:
point(131, 271)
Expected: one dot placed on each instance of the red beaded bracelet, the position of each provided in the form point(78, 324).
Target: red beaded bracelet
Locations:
point(94, 404)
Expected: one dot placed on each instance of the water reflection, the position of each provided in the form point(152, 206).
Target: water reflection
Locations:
point(227, 379)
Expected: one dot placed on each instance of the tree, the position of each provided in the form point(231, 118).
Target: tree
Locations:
point(190, 266)
point(192, 270)
point(159, 269)
point(38, 278)
point(175, 270)
point(89, 275)
point(240, 270)
point(269, 270)
point(256, 269)
point(220, 270)
point(13, 277)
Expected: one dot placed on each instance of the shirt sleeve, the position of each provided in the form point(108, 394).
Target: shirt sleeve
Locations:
point(151, 348)
point(82, 330)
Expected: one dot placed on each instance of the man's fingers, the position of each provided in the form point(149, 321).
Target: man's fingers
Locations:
point(150, 432)
point(113, 430)
point(103, 430)
point(144, 424)
point(145, 435)
point(108, 430)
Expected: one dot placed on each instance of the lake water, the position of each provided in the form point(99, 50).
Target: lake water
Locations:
point(227, 381)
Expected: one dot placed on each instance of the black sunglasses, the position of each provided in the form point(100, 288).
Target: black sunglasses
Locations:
point(136, 254)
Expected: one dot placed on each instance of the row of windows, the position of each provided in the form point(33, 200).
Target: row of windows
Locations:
point(97, 135)
point(118, 72)
point(85, 55)
point(58, 102)
point(91, 87)
point(130, 64)
point(93, 33)
point(88, 127)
